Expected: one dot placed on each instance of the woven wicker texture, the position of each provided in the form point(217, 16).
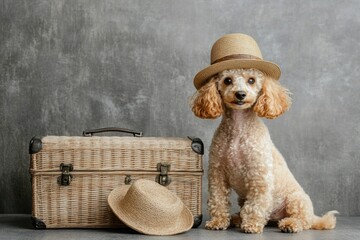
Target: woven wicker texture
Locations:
point(116, 153)
point(84, 202)
point(100, 165)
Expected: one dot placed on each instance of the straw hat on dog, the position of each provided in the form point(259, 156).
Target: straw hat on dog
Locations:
point(150, 208)
point(235, 51)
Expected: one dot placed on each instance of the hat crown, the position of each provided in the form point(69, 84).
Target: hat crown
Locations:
point(150, 201)
point(234, 44)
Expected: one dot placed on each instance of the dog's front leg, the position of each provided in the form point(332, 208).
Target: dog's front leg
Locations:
point(257, 207)
point(218, 203)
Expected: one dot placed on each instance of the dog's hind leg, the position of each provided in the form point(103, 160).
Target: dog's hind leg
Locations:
point(236, 218)
point(299, 212)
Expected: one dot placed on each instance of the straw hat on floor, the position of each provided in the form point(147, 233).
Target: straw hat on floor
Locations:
point(235, 51)
point(150, 208)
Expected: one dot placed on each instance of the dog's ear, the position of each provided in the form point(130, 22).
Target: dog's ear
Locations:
point(206, 102)
point(273, 101)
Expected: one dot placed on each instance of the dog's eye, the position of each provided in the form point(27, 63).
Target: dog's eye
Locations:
point(251, 81)
point(227, 81)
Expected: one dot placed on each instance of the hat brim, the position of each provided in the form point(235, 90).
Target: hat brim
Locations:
point(182, 224)
point(269, 68)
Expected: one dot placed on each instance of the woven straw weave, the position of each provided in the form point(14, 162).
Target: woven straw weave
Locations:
point(100, 165)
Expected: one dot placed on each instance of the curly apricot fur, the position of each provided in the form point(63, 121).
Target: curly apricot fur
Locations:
point(206, 102)
point(273, 101)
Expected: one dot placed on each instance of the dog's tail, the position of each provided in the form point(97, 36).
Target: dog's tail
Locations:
point(328, 221)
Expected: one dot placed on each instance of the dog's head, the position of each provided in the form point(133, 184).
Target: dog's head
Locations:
point(241, 89)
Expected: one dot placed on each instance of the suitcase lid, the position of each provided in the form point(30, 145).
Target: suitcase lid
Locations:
point(116, 153)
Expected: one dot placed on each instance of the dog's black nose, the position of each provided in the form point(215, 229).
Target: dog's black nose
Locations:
point(240, 95)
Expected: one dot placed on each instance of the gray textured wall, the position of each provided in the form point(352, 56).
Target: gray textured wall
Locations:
point(70, 65)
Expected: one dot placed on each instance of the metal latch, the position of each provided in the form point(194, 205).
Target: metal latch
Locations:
point(163, 178)
point(128, 180)
point(66, 177)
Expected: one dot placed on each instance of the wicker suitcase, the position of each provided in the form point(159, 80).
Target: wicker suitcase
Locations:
point(73, 176)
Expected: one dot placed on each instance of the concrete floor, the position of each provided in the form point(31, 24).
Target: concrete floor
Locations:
point(19, 227)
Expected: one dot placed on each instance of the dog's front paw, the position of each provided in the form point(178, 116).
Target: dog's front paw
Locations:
point(252, 227)
point(217, 224)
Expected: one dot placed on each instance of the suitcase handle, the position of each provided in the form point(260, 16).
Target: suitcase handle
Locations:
point(89, 133)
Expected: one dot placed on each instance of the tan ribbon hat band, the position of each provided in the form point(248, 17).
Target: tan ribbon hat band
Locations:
point(236, 56)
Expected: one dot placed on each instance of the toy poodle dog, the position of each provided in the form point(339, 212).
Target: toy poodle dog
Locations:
point(243, 158)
